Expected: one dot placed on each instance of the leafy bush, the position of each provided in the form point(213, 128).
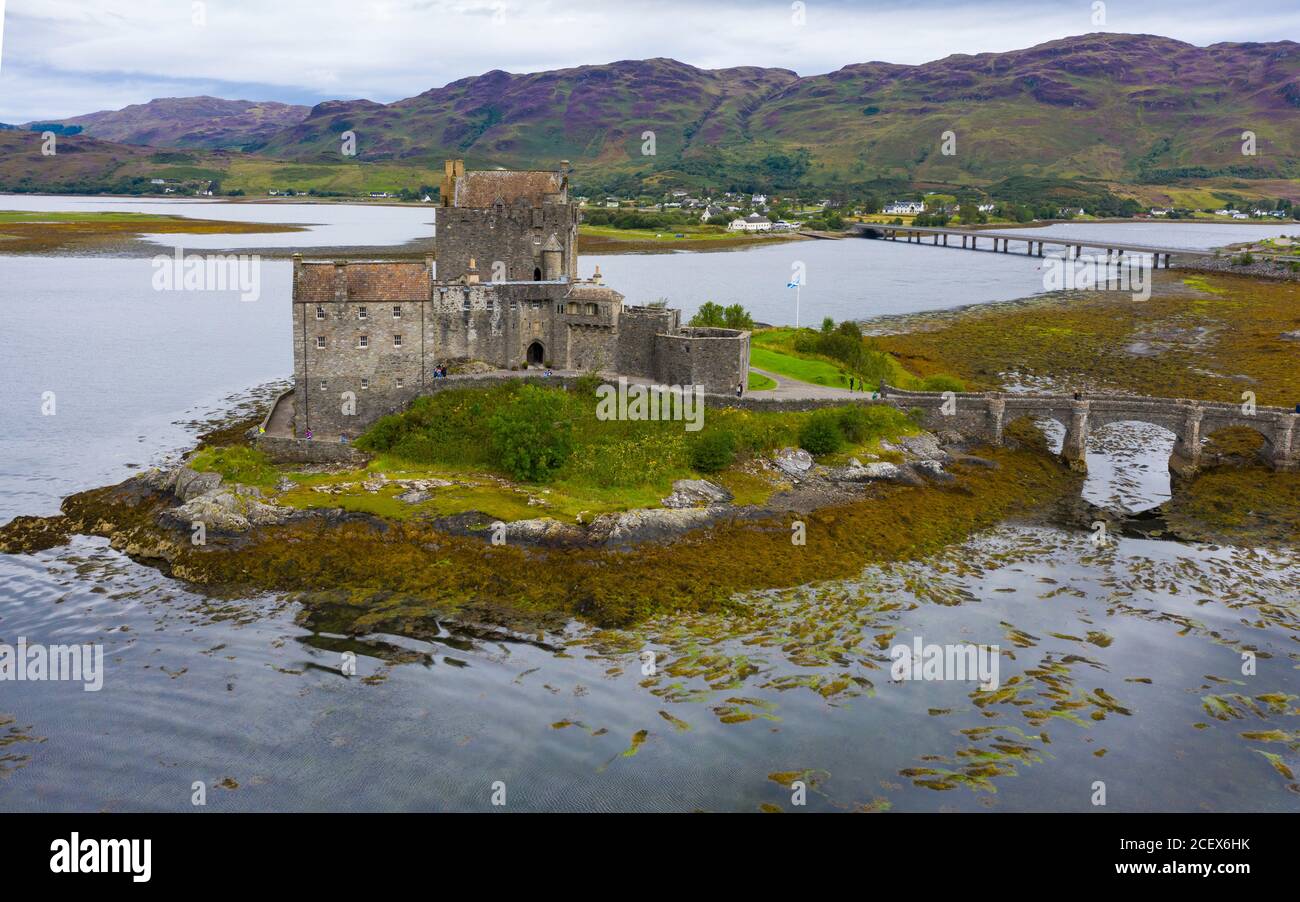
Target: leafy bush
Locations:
point(845, 346)
point(821, 433)
point(860, 424)
point(733, 316)
point(532, 436)
point(586, 385)
point(713, 450)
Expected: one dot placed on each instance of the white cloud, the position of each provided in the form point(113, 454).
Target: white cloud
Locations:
point(66, 58)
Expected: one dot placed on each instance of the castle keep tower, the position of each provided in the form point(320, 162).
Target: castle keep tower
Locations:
point(518, 225)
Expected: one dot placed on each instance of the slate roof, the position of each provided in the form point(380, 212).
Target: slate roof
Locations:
point(387, 281)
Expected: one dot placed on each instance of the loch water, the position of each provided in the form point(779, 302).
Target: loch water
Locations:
point(1119, 664)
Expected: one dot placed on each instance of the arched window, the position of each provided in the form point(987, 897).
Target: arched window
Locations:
point(537, 274)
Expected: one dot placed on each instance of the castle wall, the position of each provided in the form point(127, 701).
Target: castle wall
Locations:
point(637, 328)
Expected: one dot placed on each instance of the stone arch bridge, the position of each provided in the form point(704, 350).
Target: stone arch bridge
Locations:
point(986, 414)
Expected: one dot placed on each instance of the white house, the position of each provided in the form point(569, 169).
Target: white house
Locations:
point(752, 223)
point(987, 208)
point(904, 208)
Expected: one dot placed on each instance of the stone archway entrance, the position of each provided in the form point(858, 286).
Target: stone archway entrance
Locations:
point(536, 354)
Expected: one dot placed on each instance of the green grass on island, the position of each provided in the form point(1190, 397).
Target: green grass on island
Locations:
point(793, 353)
point(519, 451)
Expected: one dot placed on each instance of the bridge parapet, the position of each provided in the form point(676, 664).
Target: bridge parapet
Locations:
point(985, 415)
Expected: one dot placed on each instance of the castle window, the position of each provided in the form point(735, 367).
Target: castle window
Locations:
point(361, 313)
point(514, 305)
point(365, 383)
point(573, 307)
point(397, 311)
point(490, 302)
point(397, 341)
point(537, 274)
point(324, 386)
point(592, 310)
point(320, 342)
point(363, 342)
point(398, 382)
point(464, 304)
point(320, 312)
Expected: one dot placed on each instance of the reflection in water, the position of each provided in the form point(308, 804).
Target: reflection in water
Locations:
point(1119, 663)
point(1128, 466)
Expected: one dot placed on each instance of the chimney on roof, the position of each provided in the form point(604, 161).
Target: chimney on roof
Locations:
point(341, 281)
point(471, 273)
point(451, 170)
point(595, 277)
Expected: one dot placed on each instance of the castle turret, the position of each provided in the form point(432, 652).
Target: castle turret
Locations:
point(552, 260)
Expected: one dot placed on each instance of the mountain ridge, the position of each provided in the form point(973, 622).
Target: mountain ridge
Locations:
point(1103, 106)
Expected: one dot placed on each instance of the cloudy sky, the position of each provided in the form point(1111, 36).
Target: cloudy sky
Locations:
point(64, 57)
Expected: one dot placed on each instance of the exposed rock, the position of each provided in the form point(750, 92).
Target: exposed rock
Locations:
point(650, 524)
point(414, 496)
point(933, 470)
point(793, 462)
point(976, 461)
point(226, 511)
point(877, 471)
point(190, 484)
point(544, 531)
point(924, 446)
point(694, 492)
point(1290, 336)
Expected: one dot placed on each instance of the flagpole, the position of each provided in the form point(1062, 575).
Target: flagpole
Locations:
point(798, 289)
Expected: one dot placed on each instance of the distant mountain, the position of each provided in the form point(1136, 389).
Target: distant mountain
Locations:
point(1106, 106)
point(190, 122)
point(590, 114)
point(1098, 108)
point(80, 164)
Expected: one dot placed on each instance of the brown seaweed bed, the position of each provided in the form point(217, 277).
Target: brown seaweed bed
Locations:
point(391, 576)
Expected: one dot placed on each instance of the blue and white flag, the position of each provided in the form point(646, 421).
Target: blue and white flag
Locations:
point(793, 284)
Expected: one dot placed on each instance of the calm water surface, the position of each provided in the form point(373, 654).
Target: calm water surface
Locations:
point(236, 692)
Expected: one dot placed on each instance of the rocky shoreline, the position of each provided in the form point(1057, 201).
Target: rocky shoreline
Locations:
point(180, 500)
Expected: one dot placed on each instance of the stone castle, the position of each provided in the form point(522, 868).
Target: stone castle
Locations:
point(504, 290)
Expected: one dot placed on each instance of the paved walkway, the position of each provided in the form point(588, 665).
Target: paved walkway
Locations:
point(788, 389)
point(280, 422)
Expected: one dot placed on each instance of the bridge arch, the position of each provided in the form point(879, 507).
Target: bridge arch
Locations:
point(1030, 429)
point(1131, 463)
point(1236, 443)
